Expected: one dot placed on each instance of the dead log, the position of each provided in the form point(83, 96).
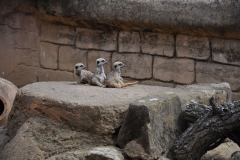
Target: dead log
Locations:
point(212, 125)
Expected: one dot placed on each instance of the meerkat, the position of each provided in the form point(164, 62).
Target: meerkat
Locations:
point(114, 79)
point(83, 75)
point(99, 76)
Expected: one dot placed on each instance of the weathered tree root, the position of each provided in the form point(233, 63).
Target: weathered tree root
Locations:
point(212, 125)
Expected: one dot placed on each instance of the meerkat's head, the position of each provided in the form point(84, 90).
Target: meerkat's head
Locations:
point(118, 65)
point(78, 67)
point(101, 61)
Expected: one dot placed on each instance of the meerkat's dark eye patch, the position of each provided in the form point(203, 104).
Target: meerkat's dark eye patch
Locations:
point(98, 62)
point(102, 60)
point(82, 66)
point(120, 64)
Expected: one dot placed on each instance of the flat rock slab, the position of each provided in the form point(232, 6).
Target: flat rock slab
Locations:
point(95, 109)
point(53, 120)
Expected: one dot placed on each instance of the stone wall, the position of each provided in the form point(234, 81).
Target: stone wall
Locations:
point(44, 47)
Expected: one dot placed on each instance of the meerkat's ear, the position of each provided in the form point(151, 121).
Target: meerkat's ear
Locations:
point(98, 62)
point(115, 66)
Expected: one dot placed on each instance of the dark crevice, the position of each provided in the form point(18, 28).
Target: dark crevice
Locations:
point(1, 107)
point(115, 135)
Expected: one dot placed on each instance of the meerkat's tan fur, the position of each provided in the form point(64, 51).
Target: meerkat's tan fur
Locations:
point(114, 79)
point(83, 75)
point(99, 76)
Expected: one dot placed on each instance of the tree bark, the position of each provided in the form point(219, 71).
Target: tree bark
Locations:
point(212, 125)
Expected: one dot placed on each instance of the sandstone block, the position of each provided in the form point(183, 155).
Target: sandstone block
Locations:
point(17, 47)
point(176, 70)
point(94, 55)
point(69, 56)
point(49, 55)
point(96, 39)
point(129, 41)
point(55, 75)
point(21, 20)
point(18, 44)
point(157, 43)
point(56, 33)
point(193, 47)
point(23, 74)
point(226, 51)
point(137, 65)
point(212, 73)
point(147, 130)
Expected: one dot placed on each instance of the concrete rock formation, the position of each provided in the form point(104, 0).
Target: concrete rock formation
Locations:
point(53, 120)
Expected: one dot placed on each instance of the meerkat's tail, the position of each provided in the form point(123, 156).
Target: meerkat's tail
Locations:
point(129, 84)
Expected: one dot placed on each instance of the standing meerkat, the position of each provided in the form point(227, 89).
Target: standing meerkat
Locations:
point(83, 75)
point(114, 79)
point(99, 76)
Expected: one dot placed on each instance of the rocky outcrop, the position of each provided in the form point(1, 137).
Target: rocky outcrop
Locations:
point(53, 120)
point(7, 95)
point(150, 126)
point(215, 18)
point(41, 138)
point(153, 122)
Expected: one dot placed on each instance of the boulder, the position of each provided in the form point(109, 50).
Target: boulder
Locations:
point(150, 126)
point(64, 120)
point(152, 123)
point(7, 95)
point(41, 138)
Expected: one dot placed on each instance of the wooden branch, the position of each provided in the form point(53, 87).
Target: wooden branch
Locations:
point(212, 125)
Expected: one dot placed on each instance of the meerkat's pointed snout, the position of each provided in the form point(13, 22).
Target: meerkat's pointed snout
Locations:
point(84, 76)
point(101, 61)
point(80, 66)
point(118, 65)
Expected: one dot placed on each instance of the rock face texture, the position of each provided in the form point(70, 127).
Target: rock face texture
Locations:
point(54, 120)
point(199, 16)
point(151, 124)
